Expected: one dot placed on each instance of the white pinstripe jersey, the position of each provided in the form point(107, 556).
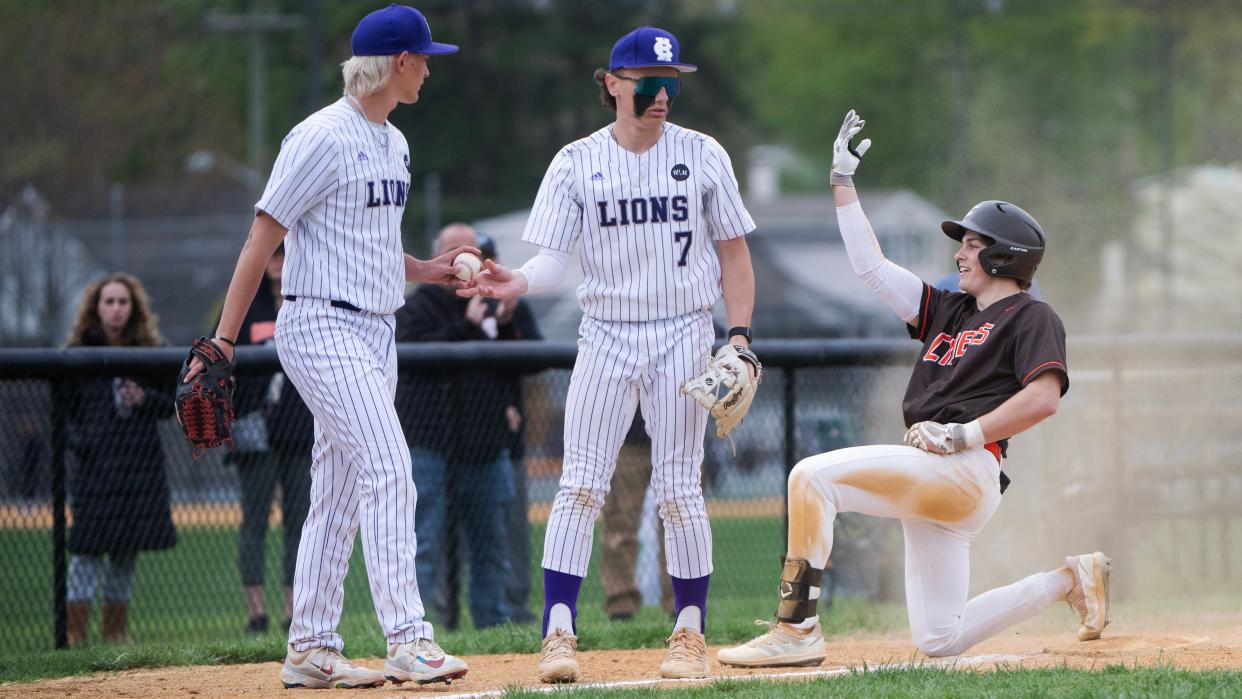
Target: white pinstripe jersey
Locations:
point(341, 195)
point(647, 222)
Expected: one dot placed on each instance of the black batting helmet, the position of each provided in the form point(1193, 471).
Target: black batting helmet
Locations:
point(1016, 241)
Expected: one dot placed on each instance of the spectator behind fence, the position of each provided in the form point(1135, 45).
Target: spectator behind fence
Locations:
point(517, 591)
point(459, 429)
point(274, 432)
point(119, 491)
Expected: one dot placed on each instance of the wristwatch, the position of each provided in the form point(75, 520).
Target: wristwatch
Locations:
point(742, 330)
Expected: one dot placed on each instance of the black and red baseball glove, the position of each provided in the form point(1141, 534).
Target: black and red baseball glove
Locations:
point(205, 404)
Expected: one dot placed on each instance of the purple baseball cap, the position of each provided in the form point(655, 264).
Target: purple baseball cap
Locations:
point(648, 47)
point(394, 29)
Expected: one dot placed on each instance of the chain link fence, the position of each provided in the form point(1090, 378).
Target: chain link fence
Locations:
point(108, 524)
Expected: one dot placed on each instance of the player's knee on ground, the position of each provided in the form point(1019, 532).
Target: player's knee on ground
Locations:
point(941, 645)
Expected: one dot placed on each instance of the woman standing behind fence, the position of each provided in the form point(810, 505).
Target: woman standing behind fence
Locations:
point(119, 493)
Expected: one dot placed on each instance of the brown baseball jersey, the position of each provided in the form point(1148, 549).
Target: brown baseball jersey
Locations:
point(973, 360)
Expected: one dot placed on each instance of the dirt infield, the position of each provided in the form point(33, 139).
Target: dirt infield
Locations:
point(1216, 643)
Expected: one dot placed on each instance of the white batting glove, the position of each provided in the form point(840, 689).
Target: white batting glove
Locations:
point(936, 438)
point(845, 158)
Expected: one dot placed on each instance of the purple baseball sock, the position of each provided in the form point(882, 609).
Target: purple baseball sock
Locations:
point(692, 592)
point(560, 588)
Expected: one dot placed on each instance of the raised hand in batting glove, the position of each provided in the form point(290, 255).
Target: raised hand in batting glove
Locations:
point(845, 157)
point(731, 369)
point(944, 439)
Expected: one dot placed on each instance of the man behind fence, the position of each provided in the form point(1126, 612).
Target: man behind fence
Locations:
point(458, 427)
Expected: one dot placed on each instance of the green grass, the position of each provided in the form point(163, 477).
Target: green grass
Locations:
point(188, 606)
point(1115, 681)
point(188, 610)
point(192, 593)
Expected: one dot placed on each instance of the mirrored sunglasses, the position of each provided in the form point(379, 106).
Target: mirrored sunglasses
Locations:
point(650, 86)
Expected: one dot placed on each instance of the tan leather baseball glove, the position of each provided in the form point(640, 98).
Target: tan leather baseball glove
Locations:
point(728, 371)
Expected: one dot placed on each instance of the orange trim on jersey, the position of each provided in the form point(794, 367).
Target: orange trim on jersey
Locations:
point(995, 449)
point(923, 314)
point(261, 331)
point(1041, 366)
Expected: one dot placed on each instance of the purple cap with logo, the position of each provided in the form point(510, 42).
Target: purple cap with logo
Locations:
point(648, 47)
point(394, 29)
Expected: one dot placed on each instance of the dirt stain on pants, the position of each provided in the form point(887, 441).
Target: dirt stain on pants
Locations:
point(937, 501)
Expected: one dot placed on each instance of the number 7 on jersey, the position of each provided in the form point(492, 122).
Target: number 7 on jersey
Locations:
point(682, 237)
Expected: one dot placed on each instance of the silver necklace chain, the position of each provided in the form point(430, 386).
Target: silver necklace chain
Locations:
point(379, 132)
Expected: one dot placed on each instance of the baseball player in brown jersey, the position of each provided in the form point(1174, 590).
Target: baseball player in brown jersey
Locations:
point(992, 366)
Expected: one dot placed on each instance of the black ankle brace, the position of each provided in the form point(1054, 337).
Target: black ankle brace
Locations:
point(797, 579)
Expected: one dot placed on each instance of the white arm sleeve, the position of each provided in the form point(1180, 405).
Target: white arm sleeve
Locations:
point(898, 286)
point(545, 270)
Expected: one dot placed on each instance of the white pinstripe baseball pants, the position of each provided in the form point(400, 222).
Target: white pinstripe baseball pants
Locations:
point(344, 365)
point(622, 365)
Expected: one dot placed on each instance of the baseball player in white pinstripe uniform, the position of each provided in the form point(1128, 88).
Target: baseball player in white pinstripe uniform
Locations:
point(335, 196)
point(656, 212)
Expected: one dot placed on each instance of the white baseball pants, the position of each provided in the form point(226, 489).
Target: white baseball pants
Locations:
point(622, 365)
point(344, 364)
point(943, 502)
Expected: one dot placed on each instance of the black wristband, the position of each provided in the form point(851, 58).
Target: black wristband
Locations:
point(739, 330)
point(234, 344)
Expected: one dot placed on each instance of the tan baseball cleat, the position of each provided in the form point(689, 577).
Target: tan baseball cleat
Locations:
point(325, 668)
point(782, 646)
point(558, 661)
point(1089, 596)
point(686, 657)
point(423, 662)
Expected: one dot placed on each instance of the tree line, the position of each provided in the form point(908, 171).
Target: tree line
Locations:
point(1057, 104)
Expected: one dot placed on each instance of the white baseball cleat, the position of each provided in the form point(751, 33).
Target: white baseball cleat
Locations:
point(422, 661)
point(325, 668)
point(1089, 596)
point(686, 657)
point(558, 661)
point(782, 646)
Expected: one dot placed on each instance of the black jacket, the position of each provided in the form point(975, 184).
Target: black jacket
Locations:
point(290, 425)
point(461, 416)
point(119, 491)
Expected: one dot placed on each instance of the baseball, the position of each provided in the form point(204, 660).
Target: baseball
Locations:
point(468, 265)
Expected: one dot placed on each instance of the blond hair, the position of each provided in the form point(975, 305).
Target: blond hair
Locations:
point(366, 75)
point(142, 327)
